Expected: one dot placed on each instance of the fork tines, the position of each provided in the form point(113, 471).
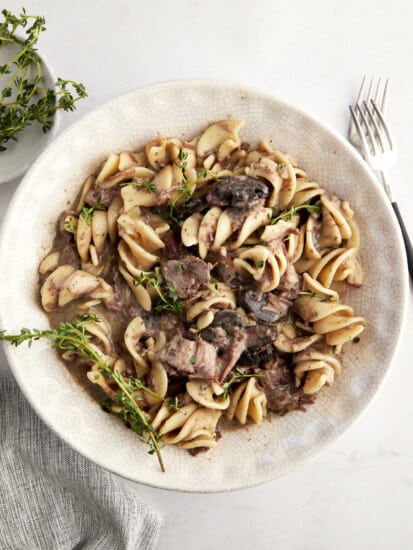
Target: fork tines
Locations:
point(374, 90)
point(369, 128)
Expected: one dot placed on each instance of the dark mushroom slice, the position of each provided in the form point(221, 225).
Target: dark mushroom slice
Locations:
point(225, 323)
point(265, 307)
point(241, 192)
point(227, 335)
point(194, 204)
point(256, 356)
point(258, 346)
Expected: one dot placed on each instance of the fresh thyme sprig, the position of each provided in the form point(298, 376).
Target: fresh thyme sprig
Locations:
point(168, 299)
point(148, 185)
point(314, 294)
point(293, 210)
point(185, 190)
point(183, 158)
point(87, 214)
point(70, 225)
point(242, 375)
point(23, 97)
point(73, 336)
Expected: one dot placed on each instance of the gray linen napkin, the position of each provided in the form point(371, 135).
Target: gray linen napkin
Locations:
point(51, 498)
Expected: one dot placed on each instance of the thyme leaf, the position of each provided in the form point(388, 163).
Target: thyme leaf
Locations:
point(241, 375)
point(167, 296)
point(185, 190)
point(148, 185)
point(173, 403)
point(313, 294)
point(288, 215)
point(87, 214)
point(70, 225)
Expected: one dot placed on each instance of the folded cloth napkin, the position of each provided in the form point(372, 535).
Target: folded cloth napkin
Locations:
point(51, 498)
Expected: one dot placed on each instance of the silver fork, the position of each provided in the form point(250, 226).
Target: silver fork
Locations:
point(370, 133)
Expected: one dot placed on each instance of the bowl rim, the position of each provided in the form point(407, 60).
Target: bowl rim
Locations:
point(199, 83)
point(20, 171)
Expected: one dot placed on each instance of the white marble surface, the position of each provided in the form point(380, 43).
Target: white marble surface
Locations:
point(359, 492)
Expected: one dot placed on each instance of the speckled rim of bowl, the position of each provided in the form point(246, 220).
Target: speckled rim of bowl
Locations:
point(402, 312)
point(6, 177)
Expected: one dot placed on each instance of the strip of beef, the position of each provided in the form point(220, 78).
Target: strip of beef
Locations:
point(223, 269)
point(168, 323)
point(241, 192)
point(260, 335)
point(101, 197)
point(186, 275)
point(194, 358)
point(279, 387)
point(290, 283)
point(173, 245)
point(228, 335)
point(70, 256)
point(232, 353)
point(259, 348)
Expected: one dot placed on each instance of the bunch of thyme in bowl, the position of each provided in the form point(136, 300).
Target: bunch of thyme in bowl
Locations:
point(24, 97)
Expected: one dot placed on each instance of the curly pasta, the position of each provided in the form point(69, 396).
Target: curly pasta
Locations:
point(336, 322)
point(247, 401)
point(189, 427)
point(66, 284)
point(213, 229)
point(315, 368)
point(201, 309)
point(212, 273)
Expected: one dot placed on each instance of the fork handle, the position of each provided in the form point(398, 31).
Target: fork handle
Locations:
point(406, 239)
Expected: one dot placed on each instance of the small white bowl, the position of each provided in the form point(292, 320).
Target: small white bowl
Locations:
point(20, 154)
point(247, 456)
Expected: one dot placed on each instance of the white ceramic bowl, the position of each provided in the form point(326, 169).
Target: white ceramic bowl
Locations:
point(20, 154)
point(258, 453)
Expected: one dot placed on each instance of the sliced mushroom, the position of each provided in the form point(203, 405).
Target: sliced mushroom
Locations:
point(240, 192)
point(194, 204)
point(261, 307)
point(225, 322)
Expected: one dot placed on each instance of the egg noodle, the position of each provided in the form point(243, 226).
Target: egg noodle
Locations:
point(212, 272)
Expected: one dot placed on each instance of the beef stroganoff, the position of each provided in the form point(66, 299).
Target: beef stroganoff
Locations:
point(206, 277)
